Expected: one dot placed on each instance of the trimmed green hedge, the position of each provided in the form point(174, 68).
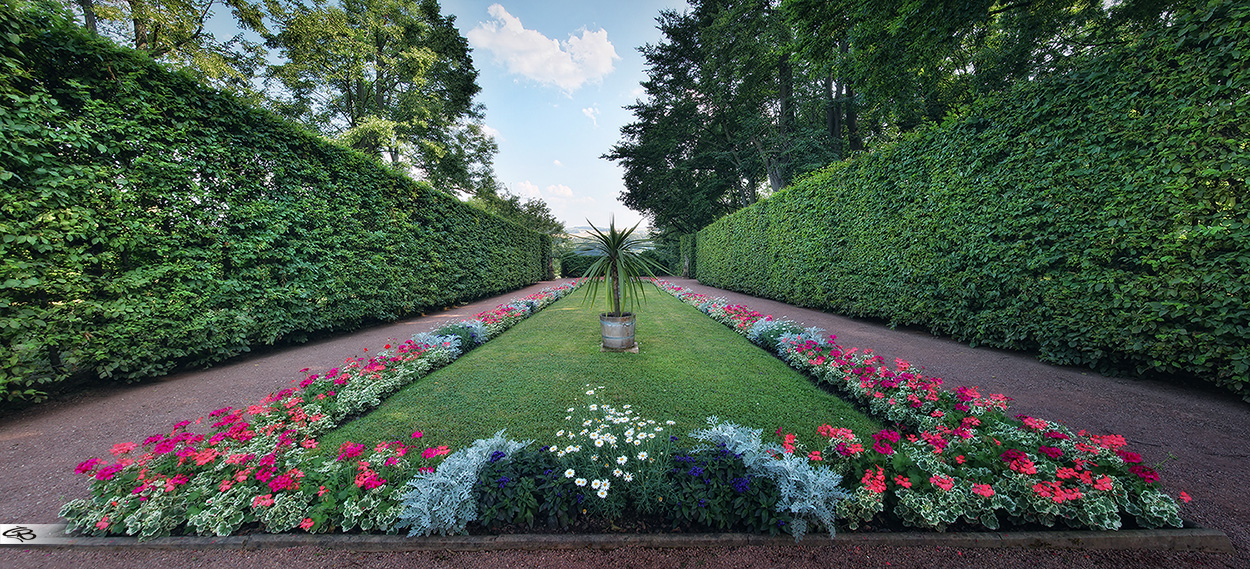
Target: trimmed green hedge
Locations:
point(149, 222)
point(573, 266)
point(1098, 218)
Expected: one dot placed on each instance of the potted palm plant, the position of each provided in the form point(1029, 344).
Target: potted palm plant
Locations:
point(618, 267)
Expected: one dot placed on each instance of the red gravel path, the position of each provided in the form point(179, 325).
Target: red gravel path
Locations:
point(1204, 430)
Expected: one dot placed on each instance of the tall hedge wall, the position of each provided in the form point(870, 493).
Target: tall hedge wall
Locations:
point(149, 222)
point(1099, 218)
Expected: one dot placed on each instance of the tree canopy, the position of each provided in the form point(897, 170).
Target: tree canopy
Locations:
point(743, 96)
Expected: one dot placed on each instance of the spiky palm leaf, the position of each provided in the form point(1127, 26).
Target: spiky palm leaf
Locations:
point(619, 264)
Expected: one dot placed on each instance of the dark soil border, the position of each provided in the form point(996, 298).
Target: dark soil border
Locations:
point(1187, 539)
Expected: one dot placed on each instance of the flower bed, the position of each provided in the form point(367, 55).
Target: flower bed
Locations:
point(256, 465)
point(953, 455)
point(948, 457)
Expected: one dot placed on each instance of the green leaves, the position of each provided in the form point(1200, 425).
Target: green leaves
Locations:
point(1095, 217)
point(150, 223)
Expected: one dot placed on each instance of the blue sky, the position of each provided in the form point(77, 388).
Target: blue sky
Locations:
point(554, 78)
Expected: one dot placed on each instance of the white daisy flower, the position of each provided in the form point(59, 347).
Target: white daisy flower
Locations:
point(569, 449)
point(602, 493)
point(621, 460)
point(598, 442)
point(560, 433)
point(590, 392)
point(580, 482)
point(670, 423)
point(594, 407)
point(605, 484)
point(629, 477)
point(595, 484)
point(642, 455)
point(637, 442)
point(569, 473)
point(617, 473)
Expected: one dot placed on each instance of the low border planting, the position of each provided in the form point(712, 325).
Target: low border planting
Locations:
point(259, 464)
point(953, 455)
point(948, 458)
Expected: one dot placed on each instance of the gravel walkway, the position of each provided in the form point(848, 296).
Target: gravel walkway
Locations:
point(1201, 429)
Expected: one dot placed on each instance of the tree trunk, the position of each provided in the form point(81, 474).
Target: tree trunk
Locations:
point(852, 122)
point(616, 290)
point(785, 127)
point(88, 15)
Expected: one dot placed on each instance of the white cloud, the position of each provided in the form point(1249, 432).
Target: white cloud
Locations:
point(558, 163)
point(592, 113)
point(560, 190)
point(565, 64)
point(528, 189)
point(491, 132)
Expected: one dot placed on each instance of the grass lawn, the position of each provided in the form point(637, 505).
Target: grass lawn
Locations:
point(689, 368)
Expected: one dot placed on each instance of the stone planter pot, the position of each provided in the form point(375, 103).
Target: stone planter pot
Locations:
point(618, 331)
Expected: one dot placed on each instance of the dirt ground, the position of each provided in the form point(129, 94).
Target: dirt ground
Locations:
point(1198, 432)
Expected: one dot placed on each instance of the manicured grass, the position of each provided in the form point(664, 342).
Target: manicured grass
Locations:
point(689, 368)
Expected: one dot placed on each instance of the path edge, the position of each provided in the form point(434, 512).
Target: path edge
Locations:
point(1194, 539)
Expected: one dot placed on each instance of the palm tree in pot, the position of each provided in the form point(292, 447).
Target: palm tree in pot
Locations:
point(619, 265)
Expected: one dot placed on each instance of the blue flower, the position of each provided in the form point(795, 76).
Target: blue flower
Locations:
point(496, 456)
point(503, 481)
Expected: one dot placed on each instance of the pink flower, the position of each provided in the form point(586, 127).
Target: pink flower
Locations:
point(1145, 472)
point(1185, 497)
point(123, 448)
point(1052, 452)
point(416, 434)
point(433, 452)
point(349, 450)
point(225, 485)
point(88, 465)
point(874, 481)
point(903, 481)
point(103, 523)
point(308, 523)
point(983, 490)
point(814, 455)
point(109, 471)
point(1129, 457)
point(942, 482)
point(260, 501)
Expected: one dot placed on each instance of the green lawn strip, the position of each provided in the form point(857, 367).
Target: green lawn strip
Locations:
point(689, 367)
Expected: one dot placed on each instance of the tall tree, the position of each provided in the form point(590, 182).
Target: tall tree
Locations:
point(176, 31)
point(392, 78)
point(729, 113)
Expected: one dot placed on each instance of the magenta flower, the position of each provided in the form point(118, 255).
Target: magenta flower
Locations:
point(109, 471)
point(88, 465)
